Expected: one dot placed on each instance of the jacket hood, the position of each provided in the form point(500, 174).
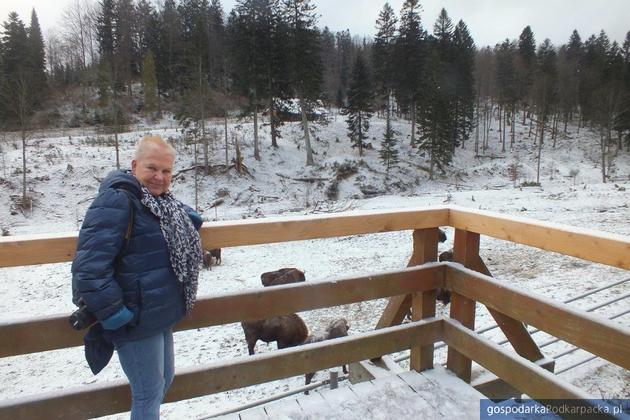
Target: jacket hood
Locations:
point(121, 179)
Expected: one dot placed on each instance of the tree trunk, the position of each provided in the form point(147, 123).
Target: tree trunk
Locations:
point(602, 137)
point(307, 138)
point(412, 142)
point(24, 199)
point(273, 123)
point(256, 148)
point(225, 128)
point(196, 177)
point(540, 144)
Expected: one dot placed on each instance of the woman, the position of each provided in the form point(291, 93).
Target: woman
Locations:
point(139, 287)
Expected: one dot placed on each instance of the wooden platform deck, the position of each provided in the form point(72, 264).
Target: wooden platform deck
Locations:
point(435, 393)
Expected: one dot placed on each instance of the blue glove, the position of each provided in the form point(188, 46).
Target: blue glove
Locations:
point(120, 318)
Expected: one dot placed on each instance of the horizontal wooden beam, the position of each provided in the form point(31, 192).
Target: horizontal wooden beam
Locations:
point(588, 244)
point(595, 334)
point(522, 374)
point(44, 249)
point(297, 228)
point(104, 399)
point(41, 334)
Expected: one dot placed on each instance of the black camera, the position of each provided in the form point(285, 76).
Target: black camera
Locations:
point(82, 317)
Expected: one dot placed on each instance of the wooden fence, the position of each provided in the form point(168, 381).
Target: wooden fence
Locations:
point(412, 288)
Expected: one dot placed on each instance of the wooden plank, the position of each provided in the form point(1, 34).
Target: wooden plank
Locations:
point(312, 402)
point(423, 304)
point(53, 248)
point(425, 245)
point(43, 334)
point(37, 249)
point(518, 372)
point(465, 251)
point(514, 330)
point(598, 335)
point(87, 401)
point(397, 400)
point(287, 408)
point(255, 413)
point(439, 397)
point(101, 400)
point(342, 403)
point(496, 388)
point(283, 229)
point(588, 244)
point(463, 396)
point(231, 416)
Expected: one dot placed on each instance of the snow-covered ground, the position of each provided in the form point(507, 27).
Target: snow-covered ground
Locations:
point(63, 175)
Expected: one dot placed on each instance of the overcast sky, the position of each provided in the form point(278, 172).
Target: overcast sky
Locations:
point(489, 21)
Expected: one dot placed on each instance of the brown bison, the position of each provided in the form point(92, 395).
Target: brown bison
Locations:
point(337, 328)
point(282, 276)
point(211, 256)
point(444, 295)
point(286, 330)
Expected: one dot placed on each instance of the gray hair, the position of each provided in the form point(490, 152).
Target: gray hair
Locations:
point(151, 141)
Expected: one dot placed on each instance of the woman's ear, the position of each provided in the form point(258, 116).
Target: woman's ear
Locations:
point(134, 163)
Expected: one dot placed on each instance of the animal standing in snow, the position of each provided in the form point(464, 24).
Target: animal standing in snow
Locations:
point(211, 256)
point(337, 328)
point(286, 330)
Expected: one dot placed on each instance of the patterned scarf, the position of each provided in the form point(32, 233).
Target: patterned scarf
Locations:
point(182, 239)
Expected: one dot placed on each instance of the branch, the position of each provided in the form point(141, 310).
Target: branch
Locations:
point(306, 179)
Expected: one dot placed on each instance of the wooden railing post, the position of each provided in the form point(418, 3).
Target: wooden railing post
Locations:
point(466, 252)
point(424, 250)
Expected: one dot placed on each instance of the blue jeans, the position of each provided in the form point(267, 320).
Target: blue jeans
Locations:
point(149, 366)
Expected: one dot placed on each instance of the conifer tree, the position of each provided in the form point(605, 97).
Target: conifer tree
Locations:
point(409, 60)
point(304, 61)
point(149, 81)
point(465, 82)
point(37, 60)
point(383, 52)
point(360, 104)
point(526, 65)
point(434, 119)
point(545, 91)
point(384, 69)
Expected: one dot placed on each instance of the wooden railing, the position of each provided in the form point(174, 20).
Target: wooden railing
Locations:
point(409, 288)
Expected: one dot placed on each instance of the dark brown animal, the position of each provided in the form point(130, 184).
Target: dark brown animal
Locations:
point(282, 276)
point(441, 235)
point(337, 328)
point(444, 295)
point(211, 256)
point(286, 331)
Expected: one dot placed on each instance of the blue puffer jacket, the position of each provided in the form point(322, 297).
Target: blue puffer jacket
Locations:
point(133, 282)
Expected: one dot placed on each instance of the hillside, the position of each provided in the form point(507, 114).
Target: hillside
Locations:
point(64, 173)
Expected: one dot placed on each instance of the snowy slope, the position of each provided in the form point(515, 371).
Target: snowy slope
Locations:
point(64, 173)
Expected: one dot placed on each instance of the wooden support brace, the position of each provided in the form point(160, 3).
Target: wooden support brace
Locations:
point(466, 252)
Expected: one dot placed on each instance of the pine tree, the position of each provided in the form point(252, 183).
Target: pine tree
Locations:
point(435, 136)
point(383, 52)
point(37, 61)
point(383, 55)
point(506, 83)
point(409, 60)
point(389, 151)
point(545, 91)
point(149, 80)
point(304, 61)
point(524, 70)
point(465, 82)
point(360, 104)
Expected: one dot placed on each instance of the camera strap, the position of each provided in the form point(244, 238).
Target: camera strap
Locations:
point(131, 217)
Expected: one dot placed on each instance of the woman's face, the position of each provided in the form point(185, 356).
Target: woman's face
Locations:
point(154, 169)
